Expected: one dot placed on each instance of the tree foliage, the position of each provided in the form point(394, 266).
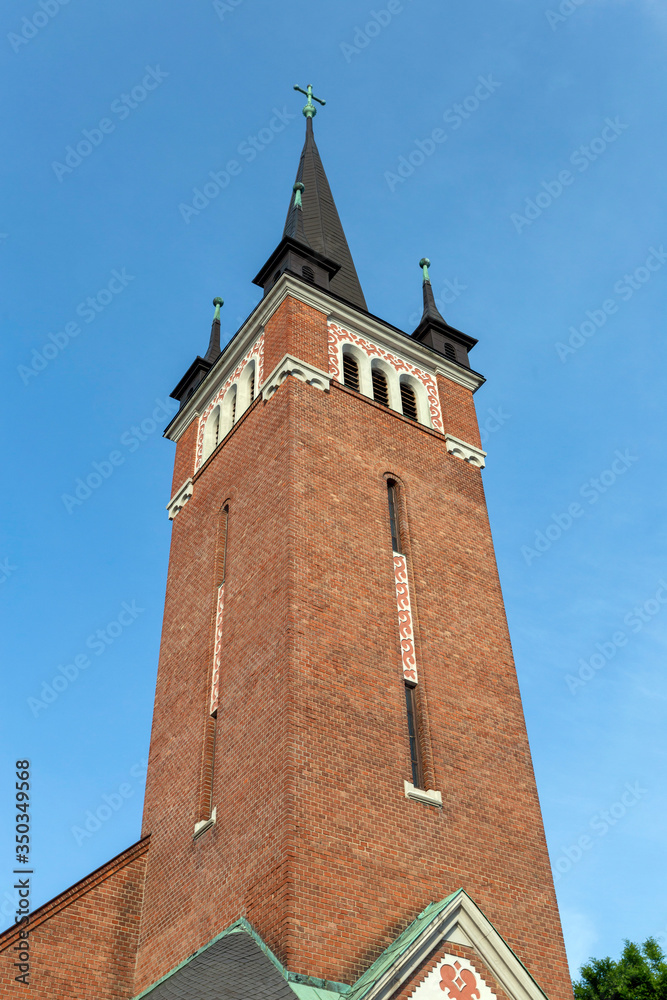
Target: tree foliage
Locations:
point(639, 974)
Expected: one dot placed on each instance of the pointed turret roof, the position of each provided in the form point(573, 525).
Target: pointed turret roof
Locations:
point(321, 223)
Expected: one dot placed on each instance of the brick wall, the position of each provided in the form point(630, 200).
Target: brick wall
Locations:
point(315, 842)
point(83, 943)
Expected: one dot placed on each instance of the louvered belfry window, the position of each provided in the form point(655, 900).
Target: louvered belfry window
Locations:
point(234, 408)
point(450, 353)
point(380, 388)
point(408, 401)
point(252, 388)
point(350, 372)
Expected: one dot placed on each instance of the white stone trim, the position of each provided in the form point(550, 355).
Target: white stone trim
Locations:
point(205, 824)
point(179, 499)
point(461, 919)
point(430, 797)
point(468, 452)
point(462, 973)
point(299, 369)
point(338, 312)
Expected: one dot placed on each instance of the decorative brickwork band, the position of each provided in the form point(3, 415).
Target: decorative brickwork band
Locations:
point(405, 630)
point(338, 336)
point(256, 353)
point(217, 654)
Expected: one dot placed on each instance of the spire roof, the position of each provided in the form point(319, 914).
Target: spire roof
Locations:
point(321, 223)
point(214, 341)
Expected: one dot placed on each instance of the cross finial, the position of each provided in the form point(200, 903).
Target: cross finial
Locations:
point(310, 110)
point(425, 263)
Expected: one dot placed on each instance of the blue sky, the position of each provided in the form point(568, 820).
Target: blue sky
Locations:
point(540, 201)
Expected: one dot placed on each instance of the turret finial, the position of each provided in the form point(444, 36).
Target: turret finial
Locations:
point(309, 109)
point(298, 189)
point(217, 302)
point(425, 263)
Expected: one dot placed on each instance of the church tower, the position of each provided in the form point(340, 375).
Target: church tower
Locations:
point(340, 800)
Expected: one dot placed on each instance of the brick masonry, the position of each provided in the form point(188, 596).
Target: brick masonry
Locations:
point(315, 842)
point(83, 943)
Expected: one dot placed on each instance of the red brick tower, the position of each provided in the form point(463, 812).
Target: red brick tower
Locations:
point(340, 798)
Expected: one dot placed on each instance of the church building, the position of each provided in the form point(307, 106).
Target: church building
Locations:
point(340, 801)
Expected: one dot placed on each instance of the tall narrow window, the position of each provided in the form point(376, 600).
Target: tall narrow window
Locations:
point(350, 372)
point(221, 555)
point(216, 426)
point(380, 387)
point(252, 387)
point(234, 408)
point(408, 401)
point(207, 774)
point(413, 735)
point(393, 516)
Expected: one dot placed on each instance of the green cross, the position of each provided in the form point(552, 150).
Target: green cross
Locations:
point(310, 110)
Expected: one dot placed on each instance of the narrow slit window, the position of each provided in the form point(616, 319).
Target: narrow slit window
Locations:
point(380, 387)
point(393, 516)
point(208, 767)
point(408, 401)
point(252, 387)
point(221, 567)
point(234, 408)
point(350, 372)
point(308, 273)
point(216, 428)
point(413, 735)
point(450, 352)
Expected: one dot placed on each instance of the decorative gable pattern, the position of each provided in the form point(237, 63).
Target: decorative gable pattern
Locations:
point(453, 978)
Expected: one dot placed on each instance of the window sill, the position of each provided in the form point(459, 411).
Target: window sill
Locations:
point(204, 824)
point(429, 798)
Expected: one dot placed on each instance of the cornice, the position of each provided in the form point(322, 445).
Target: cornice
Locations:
point(336, 311)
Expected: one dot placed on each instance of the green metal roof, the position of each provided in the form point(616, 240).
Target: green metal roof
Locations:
point(398, 947)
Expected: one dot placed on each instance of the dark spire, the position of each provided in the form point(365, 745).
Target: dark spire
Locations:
point(435, 332)
point(431, 313)
point(321, 222)
point(200, 367)
point(294, 224)
point(214, 342)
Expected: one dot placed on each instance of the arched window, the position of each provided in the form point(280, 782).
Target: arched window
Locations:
point(408, 401)
point(380, 387)
point(308, 273)
point(212, 436)
point(350, 372)
point(450, 353)
point(234, 407)
point(252, 386)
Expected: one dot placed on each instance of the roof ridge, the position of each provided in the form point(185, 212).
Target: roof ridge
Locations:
point(76, 891)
